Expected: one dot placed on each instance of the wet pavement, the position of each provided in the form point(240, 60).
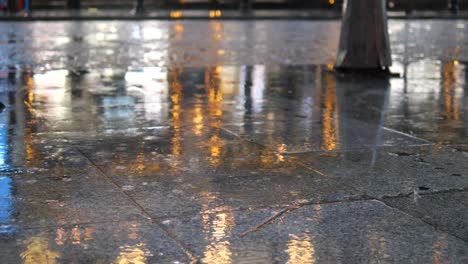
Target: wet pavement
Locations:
point(230, 142)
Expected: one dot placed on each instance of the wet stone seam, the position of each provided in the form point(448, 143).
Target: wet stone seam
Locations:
point(291, 208)
point(166, 230)
point(439, 228)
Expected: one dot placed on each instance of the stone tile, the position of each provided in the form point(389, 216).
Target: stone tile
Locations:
point(208, 173)
point(351, 232)
point(56, 186)
point(296, 137)
point(187, 147)
point(111, 242)
point(207, 192)
point(446, 211)
point(215, 237)
point(391, 171)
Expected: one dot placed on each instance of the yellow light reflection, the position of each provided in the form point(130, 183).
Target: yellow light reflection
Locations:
point(215, 94)
point(280, 151)
point(439, 247)
point(60, 237)
point(88, 233)
point(134, 253)
point(318, 211)
point(218, 251)
point(215, 97)
point(176, 98)
point(452, 111)
point(137, 254)
point(217, 229)
point(217, 26)
point(176, 14)
point(378, 246)
point(140, 160)
point(215, 150)
point(330, 115)
point(179, 28)
point(198, 119)
point(215, 13)
point(267, 158)
point(76, 236)
point(38, 252)
point(300, 249)
point(31, 152)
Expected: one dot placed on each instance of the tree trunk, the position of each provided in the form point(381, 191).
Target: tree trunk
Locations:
point(364, 41)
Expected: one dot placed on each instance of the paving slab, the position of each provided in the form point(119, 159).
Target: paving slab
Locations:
point(349, 232)
point(208, 172)
point(446, 211)
point(393, 171)
point(297, 137)
point(57, 186)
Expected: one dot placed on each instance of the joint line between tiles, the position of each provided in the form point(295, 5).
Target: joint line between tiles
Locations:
point(438, 228)
point(192, 257)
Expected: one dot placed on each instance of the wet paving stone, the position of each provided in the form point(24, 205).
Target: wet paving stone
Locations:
point(111, 242)
point(216, 125)
point(351, 232)
point(209, 173)
point(297, 137)
point(446, 211)
point(391, 171)
point(59, 186)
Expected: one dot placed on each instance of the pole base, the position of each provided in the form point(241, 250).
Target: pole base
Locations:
point(374, 72)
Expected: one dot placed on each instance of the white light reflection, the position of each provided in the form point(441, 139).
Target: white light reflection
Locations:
point(258, 87)
point(50, 88)
point(136, 32)
point(151, 85)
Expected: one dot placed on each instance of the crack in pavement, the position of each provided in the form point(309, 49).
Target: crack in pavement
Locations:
point(270, 220)
point(296, 206)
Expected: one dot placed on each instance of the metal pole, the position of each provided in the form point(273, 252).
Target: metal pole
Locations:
point(364, 40)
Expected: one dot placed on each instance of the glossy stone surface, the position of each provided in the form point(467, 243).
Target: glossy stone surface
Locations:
point(230, 141)
point(208, 174)
point(351, 232)
point(110, 242)
point(446, 211)
point(392, 171)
